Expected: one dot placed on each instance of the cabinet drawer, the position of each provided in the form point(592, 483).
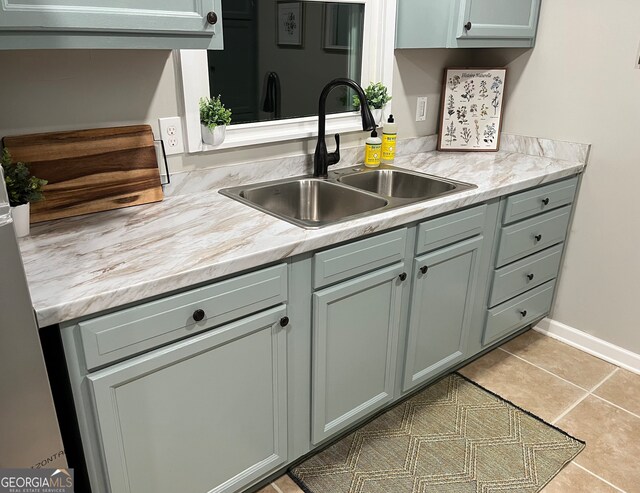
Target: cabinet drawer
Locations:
point(532, 235)
point(450, 228)
point(137, 329)
point(541, 199)
point(514, 279)
point(358, 257)
point(517, 313)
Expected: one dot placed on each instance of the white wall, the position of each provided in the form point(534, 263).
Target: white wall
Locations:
point(73, 89)
point(581, 84)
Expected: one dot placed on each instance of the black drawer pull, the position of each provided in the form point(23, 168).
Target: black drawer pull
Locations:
point(523, 313)
point(403, 276)
point(538, 237)
point(199, 315)
point(212, 18)
point(284, 321)
point(545, 201)
point(424, 269)
point(530, 277)
point(468, 26)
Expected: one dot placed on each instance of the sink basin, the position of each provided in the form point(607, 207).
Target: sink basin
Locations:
point(399, 184)
point(308, 202)
point(347, 193)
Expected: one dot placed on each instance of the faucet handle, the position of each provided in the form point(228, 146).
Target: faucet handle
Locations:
point(334, 157)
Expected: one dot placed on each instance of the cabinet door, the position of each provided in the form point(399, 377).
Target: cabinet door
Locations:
point(497, 19)
point(152, 16)
point(441, 308)
point(355, 330)
point(423, 23)
point(207, 414)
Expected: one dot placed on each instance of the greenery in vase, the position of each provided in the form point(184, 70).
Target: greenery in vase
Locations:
point(213, 113)
point(377, 96)
point(22, 186)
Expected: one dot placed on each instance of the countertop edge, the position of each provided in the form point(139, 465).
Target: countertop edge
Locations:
point(89, 306)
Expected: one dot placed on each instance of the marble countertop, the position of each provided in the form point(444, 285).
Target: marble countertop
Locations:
point(84, 265)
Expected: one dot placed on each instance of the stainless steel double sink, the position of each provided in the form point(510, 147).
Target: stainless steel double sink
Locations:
point(347, 193)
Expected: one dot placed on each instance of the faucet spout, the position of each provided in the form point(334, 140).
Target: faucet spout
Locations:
point(322, 159)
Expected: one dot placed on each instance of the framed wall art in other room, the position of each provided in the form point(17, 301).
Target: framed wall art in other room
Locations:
point(471, 113)
point(290, 18)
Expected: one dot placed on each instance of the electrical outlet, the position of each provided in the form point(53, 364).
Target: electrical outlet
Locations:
point(171, 134)
point(421, 109)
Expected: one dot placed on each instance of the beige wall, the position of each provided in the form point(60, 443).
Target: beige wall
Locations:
point(73, 89)
point(581, 84)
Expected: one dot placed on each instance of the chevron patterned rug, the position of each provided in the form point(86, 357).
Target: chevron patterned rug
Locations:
point(453, 437)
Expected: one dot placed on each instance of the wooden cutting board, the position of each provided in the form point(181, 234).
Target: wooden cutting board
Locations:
point(90, 170)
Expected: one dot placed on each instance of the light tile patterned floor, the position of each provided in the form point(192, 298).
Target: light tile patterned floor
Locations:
point(583, 395)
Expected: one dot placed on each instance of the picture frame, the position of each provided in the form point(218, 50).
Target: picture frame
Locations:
point(471, 109)
point(290, 24)
point(331, 33)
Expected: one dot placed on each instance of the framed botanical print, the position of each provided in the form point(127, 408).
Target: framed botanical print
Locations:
point(289, 17)
point(471, 113)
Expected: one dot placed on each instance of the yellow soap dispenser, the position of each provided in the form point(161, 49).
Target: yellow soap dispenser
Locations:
point(372, 152)
point(389, 137)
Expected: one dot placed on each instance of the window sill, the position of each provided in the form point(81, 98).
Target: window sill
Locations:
point(248, 134)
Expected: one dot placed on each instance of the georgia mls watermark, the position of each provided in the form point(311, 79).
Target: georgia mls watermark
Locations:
point(36, 480)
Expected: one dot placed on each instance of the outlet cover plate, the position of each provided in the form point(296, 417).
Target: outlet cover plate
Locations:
point(421, 109)
point(171, 134)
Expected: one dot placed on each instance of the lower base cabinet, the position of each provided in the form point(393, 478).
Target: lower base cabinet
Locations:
point(216, 411)
point(208, 414)
point(441, 308)
point(355, 331)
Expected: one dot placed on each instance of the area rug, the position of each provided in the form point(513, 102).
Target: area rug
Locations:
point(453, 437)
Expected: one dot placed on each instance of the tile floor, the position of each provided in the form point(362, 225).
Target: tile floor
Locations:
point(583, 395)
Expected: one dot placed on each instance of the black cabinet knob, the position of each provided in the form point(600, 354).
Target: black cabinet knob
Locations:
point(403, 276)
point(284, 321)
point(468, 26)
point(538, 237)
point(198, 315)
point(545, 201)
point(530, 277)
point(523, 313)
point(424, 269)
point(212, 18)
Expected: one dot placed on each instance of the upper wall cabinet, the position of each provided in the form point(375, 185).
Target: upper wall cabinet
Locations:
point(466, 23)
point(137, 24)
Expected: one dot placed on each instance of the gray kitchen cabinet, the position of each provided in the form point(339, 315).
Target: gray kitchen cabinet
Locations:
point(214, 389)
point(528, 253)
point(110, 24)
point(466, 23)
point(355, 331)
point(441, 309)
point(207, 414)
point(187, 392)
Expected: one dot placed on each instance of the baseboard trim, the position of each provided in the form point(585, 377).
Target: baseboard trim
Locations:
point(589, 344)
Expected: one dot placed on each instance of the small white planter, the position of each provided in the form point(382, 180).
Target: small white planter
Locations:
point(213, 137)
point(20, 215)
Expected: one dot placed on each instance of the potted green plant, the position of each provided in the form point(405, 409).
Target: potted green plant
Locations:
point(23, 188)
point(214, 118)
point(377, 97)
